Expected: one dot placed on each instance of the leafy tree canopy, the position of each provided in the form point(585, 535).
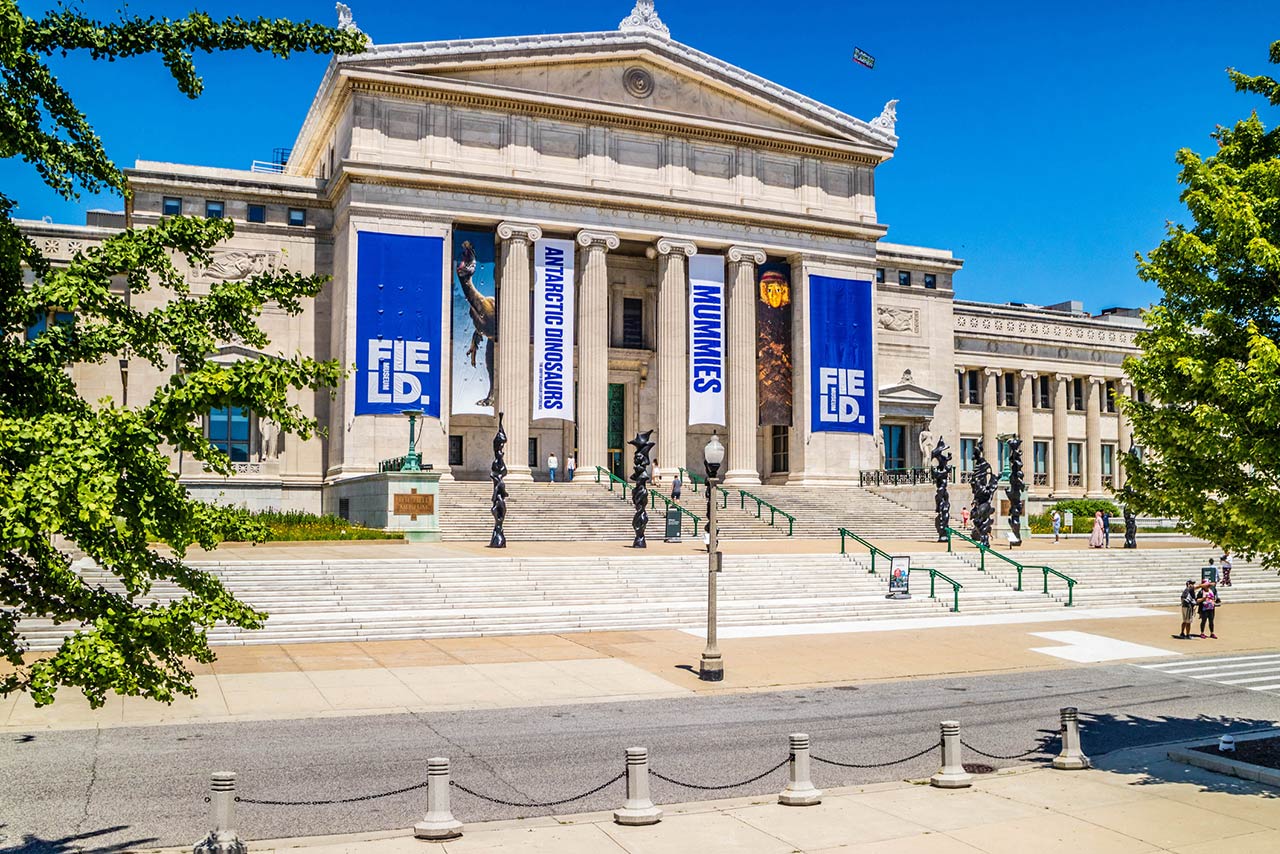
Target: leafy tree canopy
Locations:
point(96, 476)
point(1210, 365)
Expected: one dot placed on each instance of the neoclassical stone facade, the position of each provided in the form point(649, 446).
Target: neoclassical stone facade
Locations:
point(645, 153)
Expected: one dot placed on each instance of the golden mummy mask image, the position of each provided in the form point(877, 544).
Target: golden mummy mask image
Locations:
point(775, 290)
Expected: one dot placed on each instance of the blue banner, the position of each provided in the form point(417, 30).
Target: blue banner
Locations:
point(841, 355)
point(475, 324)
point(399, 287)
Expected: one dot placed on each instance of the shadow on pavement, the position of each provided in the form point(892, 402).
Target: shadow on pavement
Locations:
point(79, 843)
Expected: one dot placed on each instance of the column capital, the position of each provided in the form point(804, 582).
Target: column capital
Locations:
point(597, 239)
point(1097, 380)
point(992, 372)
point(671, 245)
point(1029, 375)
point(738, 254)
point(519, 231)
point(1064, 378)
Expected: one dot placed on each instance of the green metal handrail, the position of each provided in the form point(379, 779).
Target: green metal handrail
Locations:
point(692, 479)
point(875, 550)
point(684, 511)
point(774, 512)
point(613, 478)
point(1045, 570)
point(934, 574)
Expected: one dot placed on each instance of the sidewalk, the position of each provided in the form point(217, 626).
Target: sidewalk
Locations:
point(1141, 803)
point(331, 679)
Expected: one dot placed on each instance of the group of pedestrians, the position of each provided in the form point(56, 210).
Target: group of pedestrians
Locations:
point(1100, 538)
point(553, 463)
point(1204, 600)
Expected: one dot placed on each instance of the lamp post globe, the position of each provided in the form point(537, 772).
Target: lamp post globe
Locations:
point(711, 668)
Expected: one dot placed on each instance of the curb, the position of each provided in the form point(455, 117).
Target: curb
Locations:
point(1223, 765)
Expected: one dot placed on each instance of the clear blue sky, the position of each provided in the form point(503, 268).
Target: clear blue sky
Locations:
point(1037, 140)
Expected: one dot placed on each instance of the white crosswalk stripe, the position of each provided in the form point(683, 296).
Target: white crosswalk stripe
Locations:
point(1251, 672)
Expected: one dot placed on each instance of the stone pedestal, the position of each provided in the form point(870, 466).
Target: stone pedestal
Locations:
point(393, 501)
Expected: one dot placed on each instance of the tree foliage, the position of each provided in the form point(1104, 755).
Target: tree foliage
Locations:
point(97, 476)
point(1210, 365)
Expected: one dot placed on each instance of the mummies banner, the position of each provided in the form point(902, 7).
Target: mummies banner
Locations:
point(706, 339)
point(840, 356)
point(398, 330)
point(475, 324)
point(553, 329)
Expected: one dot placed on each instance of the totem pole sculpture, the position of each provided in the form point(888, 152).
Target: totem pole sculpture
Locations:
point(940, 471)
point(984, 489)
point(497, 471)
point(1014, 490)
point(1130, 518)
point(640, 492)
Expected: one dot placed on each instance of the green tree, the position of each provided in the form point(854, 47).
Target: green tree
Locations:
point(96, 476)
point(1210, 364)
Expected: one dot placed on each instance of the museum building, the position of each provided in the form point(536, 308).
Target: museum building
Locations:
point(602, 233)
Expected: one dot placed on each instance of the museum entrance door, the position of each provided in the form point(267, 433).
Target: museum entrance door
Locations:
point(617, 428)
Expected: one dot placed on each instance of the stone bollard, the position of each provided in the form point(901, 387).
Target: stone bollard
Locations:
point(1071, 758)
point(638, 809)
point(952, 774)
point(222, 797)
point(438, 824)
point(800, 791)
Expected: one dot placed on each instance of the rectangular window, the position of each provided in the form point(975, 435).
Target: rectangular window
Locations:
point(633, 323)
point(533, 452)
point(780, 442)
point(344, 508)
point(1142, 396)
point(1109, 401)
point(1074, 453)
point(1041, 458)
point(298, 216)
point(879, 275)
point(1076, 398)
point(172, 206)
point(1008, 391)
point(966, 454)
point(930, 281)
point(455, 450)
point(895, 446)
point(968, 386)
point(1108, 460)
point(257, 213)
point(904, 278)
point(1044, 393)
point(213, 210)
point(42, 320)
point(229, 432)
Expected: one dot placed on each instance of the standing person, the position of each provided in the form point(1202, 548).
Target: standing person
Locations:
point(676, 484)
point(1106, 529)
point(1208, 601)
point(569, 465)
point(1056, 518)
point(1096, 540)
point(1226, 569)
point(552, 463)
point(1188, 602)
point(964, 518)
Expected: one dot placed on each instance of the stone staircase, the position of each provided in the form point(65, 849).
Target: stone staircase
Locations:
point(821, 511)
point(539, 512)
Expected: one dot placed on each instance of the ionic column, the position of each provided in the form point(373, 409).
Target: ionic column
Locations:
point(1026, 420)
point(1060, 478)
point(743, 415)
point(1093, 439)
point(990, 444)
point(673, 392)
point(1124, 433)
point(513, 342)
point(593, 351)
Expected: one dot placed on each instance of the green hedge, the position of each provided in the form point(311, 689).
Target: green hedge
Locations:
point(296, 525)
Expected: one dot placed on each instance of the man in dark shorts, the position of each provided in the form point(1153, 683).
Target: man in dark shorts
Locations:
point(1188, 609)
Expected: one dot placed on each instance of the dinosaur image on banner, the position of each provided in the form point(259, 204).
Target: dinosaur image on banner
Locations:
point(475, 324)
point(773, 343)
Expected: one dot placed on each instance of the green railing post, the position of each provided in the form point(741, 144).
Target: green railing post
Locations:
point(955, 592)
point(1019, 578)
point(791, 525)
point(933, 578)
point(1071, 592)
point(842, 551)
point(1045, 572)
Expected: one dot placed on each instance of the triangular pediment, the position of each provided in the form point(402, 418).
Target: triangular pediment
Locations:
point(907, 393)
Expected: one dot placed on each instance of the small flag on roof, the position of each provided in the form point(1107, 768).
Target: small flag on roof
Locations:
point(861, 57)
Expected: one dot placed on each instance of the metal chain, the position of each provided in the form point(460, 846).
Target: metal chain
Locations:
point(969, 746)
point(876, 764)
point(760, 776)
point(476, 794)
point(240, 800)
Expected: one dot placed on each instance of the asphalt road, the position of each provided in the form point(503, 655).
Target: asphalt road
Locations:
point(104, 790)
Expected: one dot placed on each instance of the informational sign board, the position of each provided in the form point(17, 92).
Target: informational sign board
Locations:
point(672, 533)
point(900, 576)
point(1209, 574)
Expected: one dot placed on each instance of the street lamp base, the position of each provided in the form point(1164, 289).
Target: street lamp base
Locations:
point(711, 669)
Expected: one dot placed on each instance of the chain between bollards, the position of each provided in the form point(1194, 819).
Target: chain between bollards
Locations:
point(928, 749)
point(606, 784)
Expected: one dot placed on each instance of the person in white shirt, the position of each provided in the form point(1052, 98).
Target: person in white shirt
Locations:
point(552, 463)
point(569, 465)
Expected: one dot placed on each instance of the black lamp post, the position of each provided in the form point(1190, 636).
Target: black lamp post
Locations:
point(712, 666)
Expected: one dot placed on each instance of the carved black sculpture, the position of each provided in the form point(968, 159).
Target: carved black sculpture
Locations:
point(1130, 518)
point(984, 489)
point(640, 492)
point(1014, 489)
point(497, 471)
point(940, 471)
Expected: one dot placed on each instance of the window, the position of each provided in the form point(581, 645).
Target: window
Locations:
point(1074, 453)
point(930, 281)
point(633, 323)
point(229, 432)
point(1108, 460)
point(298, 216)
point(968, 386)
point(344, 508)
point(779, 440)
point(966, 454)
point(1075, 400)
point(895, 446)
point(172, 206)
point(533, 452)
point(213, 210)
point(41, 322)
point(904, 278)
point(257, 213)
point(455, 450)
point(1109, 400)
point(1044, 394)
point(1008, 392)
point(1142, 396)
point(1040, 458)
point(879, 275)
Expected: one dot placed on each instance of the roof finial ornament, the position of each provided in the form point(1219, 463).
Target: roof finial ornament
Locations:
point(888, 117)
point(644, 18)
point(346, 20)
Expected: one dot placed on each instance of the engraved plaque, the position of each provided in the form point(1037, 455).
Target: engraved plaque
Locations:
point(415, 504)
